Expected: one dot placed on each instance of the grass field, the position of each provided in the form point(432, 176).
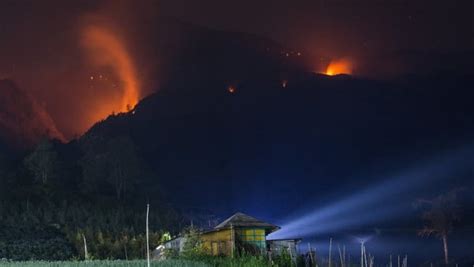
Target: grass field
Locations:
point(215, 262)
point(103, 263)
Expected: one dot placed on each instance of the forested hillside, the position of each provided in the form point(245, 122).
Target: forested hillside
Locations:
point(57, 195)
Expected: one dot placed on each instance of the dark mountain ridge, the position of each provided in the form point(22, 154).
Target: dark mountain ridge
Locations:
point(203, 55)
point(230, 141)
point(23, 121)
point(271, 150)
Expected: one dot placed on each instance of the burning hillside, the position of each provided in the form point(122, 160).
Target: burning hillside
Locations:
point(106, 49)
point(89, 66)
point(340, 66)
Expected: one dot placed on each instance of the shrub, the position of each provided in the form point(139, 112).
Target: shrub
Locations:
point(34, 243)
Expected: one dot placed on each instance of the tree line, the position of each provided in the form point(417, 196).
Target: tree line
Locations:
point(58, 200)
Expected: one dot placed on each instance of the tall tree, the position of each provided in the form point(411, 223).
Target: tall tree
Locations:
point(43, 162)
point(439, 215)
point(3, 175)
point(113, 163)
point(93, 164)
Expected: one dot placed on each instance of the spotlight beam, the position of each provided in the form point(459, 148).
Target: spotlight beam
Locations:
point(364, 208)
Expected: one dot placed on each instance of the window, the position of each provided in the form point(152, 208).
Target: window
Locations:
point(255, 237)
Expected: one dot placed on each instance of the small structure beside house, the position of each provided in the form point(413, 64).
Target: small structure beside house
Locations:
point(239, 233)
point(290, 246)
point(175, 243)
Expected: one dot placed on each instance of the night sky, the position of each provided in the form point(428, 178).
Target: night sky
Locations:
point(403, 123)
point(340, 28)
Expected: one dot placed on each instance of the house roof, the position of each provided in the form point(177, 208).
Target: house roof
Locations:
point(243, 220)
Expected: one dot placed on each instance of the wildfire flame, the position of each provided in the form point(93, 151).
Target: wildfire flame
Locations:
point(106, 49)
point(340, 66)
point(231, 89)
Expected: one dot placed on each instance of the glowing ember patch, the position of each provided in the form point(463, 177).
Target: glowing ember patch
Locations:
point(231, 89)
point(284, 83)
point(341, 66)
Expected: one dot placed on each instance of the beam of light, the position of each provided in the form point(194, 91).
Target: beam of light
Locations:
point(339, 66)
point(381, 202)
point(106, 49)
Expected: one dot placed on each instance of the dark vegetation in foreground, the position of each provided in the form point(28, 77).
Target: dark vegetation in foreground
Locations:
point(57, 196)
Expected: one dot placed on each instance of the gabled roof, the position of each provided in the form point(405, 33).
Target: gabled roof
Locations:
point(243, 220)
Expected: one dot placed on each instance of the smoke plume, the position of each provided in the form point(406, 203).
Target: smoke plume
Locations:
point(104, 48)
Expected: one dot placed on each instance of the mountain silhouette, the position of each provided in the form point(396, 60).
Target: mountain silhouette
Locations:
point(201, 137)
point(23, 121)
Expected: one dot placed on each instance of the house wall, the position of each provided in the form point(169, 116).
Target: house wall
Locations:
point(218, 242)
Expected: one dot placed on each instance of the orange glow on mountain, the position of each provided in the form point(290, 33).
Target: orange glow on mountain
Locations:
point(340, 66)
point(106, 50)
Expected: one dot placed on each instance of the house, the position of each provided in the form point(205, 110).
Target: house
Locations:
point(239, 233)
